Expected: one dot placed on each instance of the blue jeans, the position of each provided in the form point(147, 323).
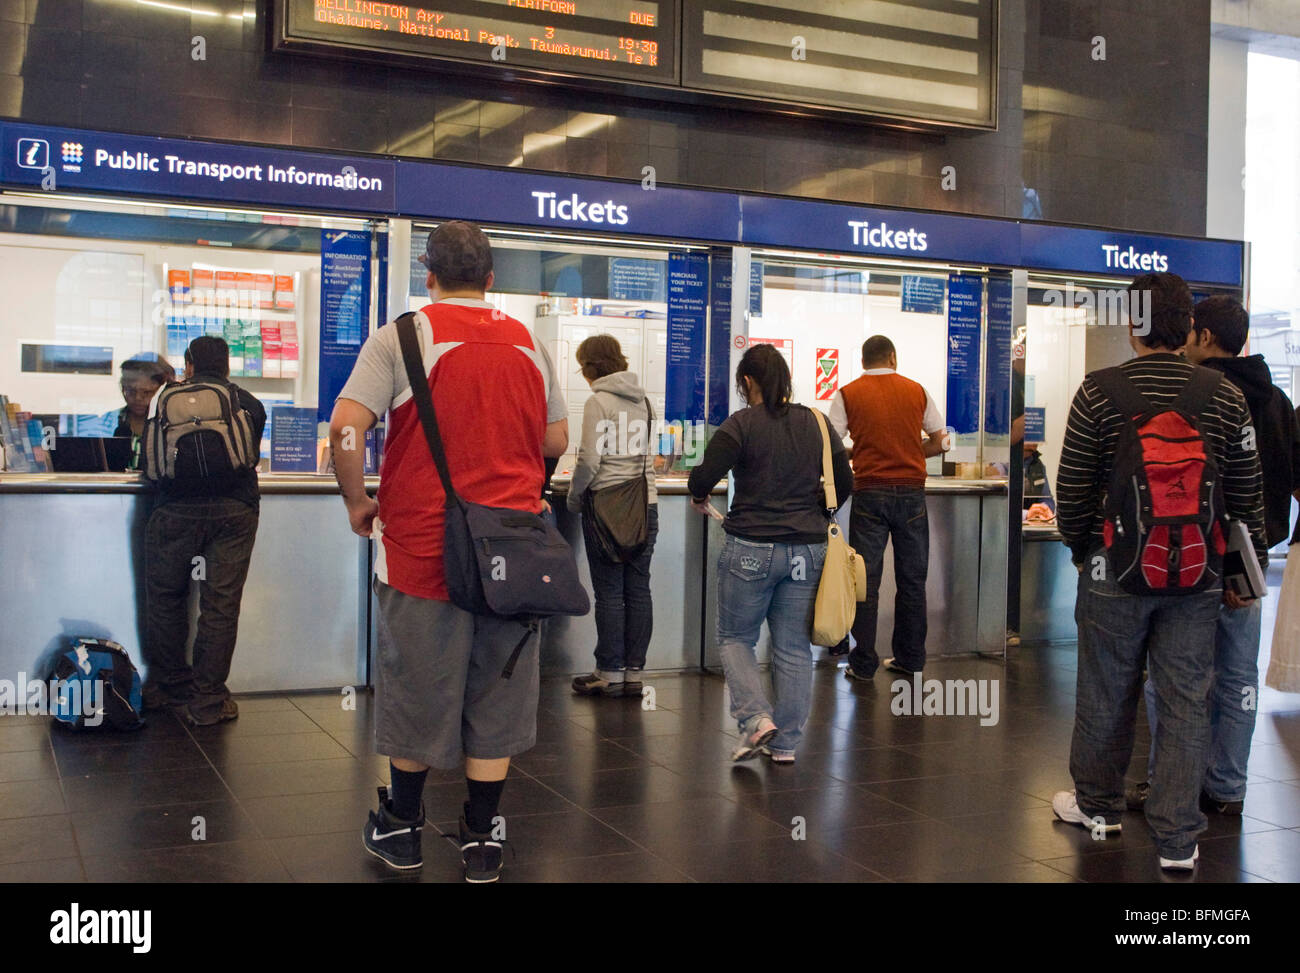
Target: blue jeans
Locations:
point(1174, 637)
point(776, 582)
point(878, 514)
point(1232, 710)
point(624, 613)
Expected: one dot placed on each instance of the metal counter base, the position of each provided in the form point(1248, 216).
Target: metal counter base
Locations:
point(72, 559)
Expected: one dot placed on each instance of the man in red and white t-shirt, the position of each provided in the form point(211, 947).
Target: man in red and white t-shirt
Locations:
point(439, 695)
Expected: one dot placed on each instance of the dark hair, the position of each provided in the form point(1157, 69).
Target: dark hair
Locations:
point(600, 355)
point(210, 355)
point(765, 366)
point(459, 255)
point(1169, 303)
point(1226, 319)
point(150, 366)
point(876, 350)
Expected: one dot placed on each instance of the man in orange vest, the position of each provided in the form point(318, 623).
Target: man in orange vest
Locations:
point(885, 414)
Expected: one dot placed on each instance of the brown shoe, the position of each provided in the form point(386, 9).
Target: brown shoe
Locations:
point(229, 711)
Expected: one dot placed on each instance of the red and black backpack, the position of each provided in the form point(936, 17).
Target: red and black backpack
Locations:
point(1166, 525)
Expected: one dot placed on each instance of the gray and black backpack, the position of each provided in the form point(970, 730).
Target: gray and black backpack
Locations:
point(198, 430)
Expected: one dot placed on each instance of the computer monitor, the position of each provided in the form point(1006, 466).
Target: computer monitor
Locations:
point(91, 454)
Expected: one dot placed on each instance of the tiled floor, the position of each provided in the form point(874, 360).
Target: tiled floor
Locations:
point(615, 793)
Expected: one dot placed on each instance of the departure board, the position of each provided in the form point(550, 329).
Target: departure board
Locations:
point(618, 39)
point(929, 62)
point(916, 59)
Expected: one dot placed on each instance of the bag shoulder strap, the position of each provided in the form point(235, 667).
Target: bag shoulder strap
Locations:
point(1121, 391)
point(828, 474)
point(423, 398)
point(1200, 389)
point(649, 423)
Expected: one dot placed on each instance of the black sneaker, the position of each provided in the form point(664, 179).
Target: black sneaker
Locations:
point(1136, 796)
point(853, 674)
point(1212, 805)
point(836, 651)
point(482, 855)
point(390, 839)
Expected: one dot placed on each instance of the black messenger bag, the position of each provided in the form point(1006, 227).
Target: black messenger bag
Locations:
point(620, 514)
point(499, 562)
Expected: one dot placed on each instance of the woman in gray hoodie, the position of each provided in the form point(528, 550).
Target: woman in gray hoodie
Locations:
point(615, 448)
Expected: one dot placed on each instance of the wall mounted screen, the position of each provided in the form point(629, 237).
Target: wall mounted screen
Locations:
point(929, 62)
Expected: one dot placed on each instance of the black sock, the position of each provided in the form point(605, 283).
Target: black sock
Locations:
point(404, 794)
point(481, 808)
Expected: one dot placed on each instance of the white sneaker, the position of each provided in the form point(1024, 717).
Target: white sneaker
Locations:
point(1066, 807)
point(1185, 864)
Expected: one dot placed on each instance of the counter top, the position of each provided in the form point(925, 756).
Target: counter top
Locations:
point(271, 484)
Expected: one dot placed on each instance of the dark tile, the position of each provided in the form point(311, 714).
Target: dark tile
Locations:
point(636, 868)
point(953, 796)
point(27, 765)
point(559, 835)
point(60, 871)
point(26, 736)
point(612, 788)
point(48, 836)
point(769, 861)
point(919, 849)
point(321, 813)
point(278, 748)
point(30, 798)
point(1037, 833)
point(140, 756)
point(299, 777)
point(257, 724)
point(137, 790)
point(235, 861)
point(708, 820)
point(1027, 873)
point(1142, 865)
point(1276, 803)
point(163, 826)
point(835, 807)
point(554, 757)
point(1272, 855)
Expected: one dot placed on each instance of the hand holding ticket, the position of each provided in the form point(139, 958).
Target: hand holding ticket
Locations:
point(705, 507)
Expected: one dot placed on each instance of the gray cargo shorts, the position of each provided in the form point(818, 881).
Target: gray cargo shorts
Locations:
point(439, 694)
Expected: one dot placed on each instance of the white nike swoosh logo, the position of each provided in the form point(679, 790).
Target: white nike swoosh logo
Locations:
point(376, 836)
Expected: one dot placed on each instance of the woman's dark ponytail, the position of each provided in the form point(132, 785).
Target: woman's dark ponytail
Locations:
point(766, 368)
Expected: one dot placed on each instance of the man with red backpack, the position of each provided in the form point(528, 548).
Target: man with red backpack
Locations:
point(1159, 455)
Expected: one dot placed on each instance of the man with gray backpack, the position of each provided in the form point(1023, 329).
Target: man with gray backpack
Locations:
point(201, 447)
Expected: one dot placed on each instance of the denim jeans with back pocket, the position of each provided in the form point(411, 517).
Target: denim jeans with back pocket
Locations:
point(777, 583)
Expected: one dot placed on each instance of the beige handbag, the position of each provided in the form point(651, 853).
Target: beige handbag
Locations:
point(844, 576)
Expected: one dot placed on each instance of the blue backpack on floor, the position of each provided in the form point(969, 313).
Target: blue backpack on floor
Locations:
point(96, 685)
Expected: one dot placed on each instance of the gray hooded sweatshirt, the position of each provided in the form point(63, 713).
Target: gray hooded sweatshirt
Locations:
point(618, 442)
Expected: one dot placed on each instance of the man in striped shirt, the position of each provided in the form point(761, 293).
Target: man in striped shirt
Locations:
point(1119, 632)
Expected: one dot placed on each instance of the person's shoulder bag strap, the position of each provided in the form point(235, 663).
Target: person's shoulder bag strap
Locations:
point(423, 399)
point(828, 473)
point(1122, 393)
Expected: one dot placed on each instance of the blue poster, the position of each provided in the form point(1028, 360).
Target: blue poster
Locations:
point(1035, 424)
point(637, 279)
point(923, 295)
point(344, 309)
point(293, 440)
point(688, 285)
point(964, 300)
point(997, 405)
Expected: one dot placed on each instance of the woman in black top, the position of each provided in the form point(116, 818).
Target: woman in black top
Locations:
point(776, 545)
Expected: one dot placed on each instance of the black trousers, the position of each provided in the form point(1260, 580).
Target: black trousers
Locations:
point(210, 543)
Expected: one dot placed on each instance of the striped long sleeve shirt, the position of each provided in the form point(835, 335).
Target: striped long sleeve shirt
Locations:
point(1092, 434)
